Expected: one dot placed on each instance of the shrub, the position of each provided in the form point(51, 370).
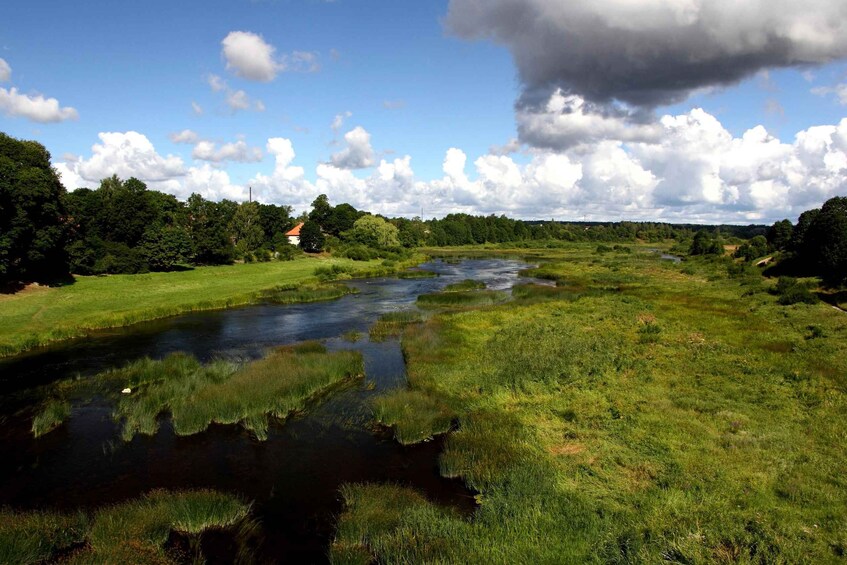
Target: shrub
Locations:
point(791, 291)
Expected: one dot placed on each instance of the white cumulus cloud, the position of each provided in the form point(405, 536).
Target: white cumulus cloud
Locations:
point(5, 71)
point(34, 107)
point(249, 56)
point(238, 151)
point(358, 154)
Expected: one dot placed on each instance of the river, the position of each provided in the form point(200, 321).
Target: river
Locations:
point(293, 477)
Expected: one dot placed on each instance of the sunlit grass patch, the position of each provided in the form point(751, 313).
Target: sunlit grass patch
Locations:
point(392, 324)
point(37, 536)
point(417, 274)
point(280, 384)
point(467, 284)
point(136, 531)
point(50, 417)
point(461, 299)
point(414, 416)
point(661, 416)
point(308, 293)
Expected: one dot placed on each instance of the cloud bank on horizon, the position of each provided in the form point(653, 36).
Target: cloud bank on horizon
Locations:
point(590, 141)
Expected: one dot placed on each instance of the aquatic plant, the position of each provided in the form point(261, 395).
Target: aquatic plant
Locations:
point(392, 324)
point(38, 536)
point(461, 299)
point(467, 284)
point(278, 385)
point(50, 417)
point(413, 415)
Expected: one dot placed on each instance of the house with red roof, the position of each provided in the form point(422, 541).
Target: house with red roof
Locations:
point(294, 234)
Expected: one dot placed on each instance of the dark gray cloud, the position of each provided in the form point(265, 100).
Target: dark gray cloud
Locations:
point(651, 52)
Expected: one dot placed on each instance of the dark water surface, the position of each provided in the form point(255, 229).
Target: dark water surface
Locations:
point(293, 477)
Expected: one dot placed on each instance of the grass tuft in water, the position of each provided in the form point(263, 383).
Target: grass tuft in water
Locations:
point(37, 537)
point(413, 415)
point(51, 416)
point(223, 392)
point(392, 324)
point(417, 274)
point(461, 299)
point(467, 284)
point(306, 294)
point(136, 531)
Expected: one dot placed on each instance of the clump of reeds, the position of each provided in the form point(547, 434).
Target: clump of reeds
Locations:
point(309, 293)
point(50, 417)
point(467, 284)
point(417, 274)
point(413, 415)
point(136, 531)
point(223, 392)
point(461, 299)
point(37, 536)
point(392, 324)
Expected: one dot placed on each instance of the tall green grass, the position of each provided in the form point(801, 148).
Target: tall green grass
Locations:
point(282, 383)
point(667, 415)
point(467, 284)
point(392, 324)
point(417, 274)
point(459, 299)
point(300, 294)
point(51, 416)
point(413, 415)
point(38, 536)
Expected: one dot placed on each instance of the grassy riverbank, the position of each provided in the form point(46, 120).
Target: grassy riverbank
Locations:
point(40, 315)
point(642, 411)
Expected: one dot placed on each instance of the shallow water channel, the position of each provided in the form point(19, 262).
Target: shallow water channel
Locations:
point(293, 477)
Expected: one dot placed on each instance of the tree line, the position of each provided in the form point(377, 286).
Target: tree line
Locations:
point(46, 233)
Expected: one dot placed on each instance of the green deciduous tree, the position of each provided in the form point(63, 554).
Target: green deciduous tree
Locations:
point(311, 238)
point(32, 215)
point(375, 232)
point(165, 247)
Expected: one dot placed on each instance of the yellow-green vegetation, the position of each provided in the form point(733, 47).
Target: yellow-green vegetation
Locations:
point(392, 324)
point(224, 392)
point(467, 284)
point(282, 383)
point(35, 537)
point(300, 294)
point(460, 299)
point(413, 415)
point(647, 412)
point(131, 532)
point(40, 315)
point(51, 416)
point(417, 274)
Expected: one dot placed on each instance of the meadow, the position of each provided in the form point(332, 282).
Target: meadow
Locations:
point(39, 315)
point(641, 411)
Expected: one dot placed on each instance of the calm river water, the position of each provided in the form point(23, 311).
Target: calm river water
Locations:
point(293, 477)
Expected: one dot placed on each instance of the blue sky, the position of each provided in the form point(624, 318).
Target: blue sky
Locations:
point(439, 93)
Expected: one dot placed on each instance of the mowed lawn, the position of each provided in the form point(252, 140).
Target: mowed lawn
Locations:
point(39, 315)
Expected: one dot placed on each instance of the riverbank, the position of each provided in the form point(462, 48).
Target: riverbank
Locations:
point(41, 315)
point(639, 411)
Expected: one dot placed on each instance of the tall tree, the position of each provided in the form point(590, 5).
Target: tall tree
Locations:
point(32, 226)
point(311, 238)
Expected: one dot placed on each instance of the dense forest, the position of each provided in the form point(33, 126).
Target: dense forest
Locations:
point(47, 233)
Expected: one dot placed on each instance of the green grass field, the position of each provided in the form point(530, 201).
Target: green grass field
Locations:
point(640, 412)
point(40, 315)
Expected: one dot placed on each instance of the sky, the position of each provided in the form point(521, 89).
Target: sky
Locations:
point(700, 111)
